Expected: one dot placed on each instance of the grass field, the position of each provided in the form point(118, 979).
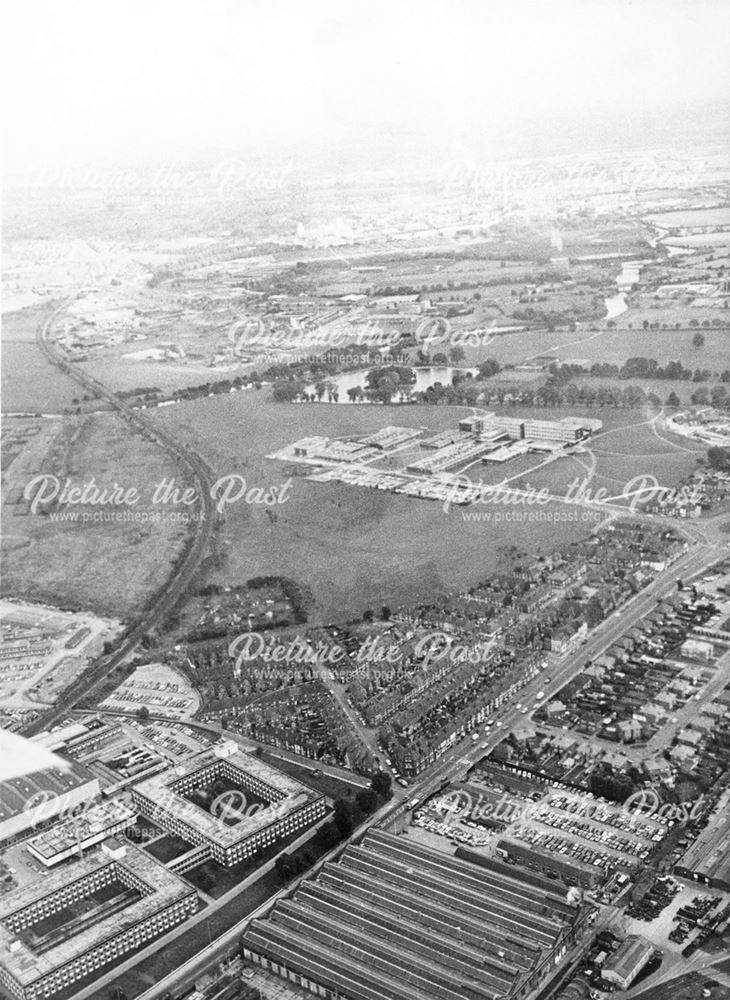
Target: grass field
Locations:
point(110, 567)
point(354, 548)
point(29, 382)
point(323, 782)
point(126, 373)
point(621, 453)
point(614, 345)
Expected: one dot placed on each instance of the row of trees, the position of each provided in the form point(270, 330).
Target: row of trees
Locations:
point(349, 813)
point(719, 458)
point(638, 367)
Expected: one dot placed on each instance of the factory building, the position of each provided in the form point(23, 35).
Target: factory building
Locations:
point(395, 919)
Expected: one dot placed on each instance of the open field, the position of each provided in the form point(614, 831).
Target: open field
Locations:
point(324, 782)
point(692, 217)
point(127, 373)
point(354, 548)
point(621, 454)
point(615, 345)
point(29, 382)
point(82, 561)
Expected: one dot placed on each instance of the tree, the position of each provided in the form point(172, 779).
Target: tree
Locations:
point(457, 354)
point(287, 392)
point(698, 340)
point(381, 784)
point(489, 367)
point(368, 800)
point(673, 399)
point(282, 867)
point(344, 816)
point(718, 458)
point(143, 712)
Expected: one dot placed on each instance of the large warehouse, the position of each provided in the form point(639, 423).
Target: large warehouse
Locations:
point(84, 915)
point(708, 859)
point(395, 919)
point(229, 802)
point(33, 800)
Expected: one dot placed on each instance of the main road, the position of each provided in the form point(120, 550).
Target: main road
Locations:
point(459, 758)
point(196, 549)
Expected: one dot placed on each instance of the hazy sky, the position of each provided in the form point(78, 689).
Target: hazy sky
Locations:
point(89, 81)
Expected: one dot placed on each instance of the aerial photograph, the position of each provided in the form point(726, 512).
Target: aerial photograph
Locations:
point(365, 510)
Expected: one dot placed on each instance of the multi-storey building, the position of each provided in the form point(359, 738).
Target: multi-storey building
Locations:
point(85, 915)
point(226, 824)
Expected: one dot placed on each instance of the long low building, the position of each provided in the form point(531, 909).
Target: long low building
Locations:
point(76, 835)
point(85, 915)
point(34, 800)
point(229, 802)
point(395, 919)
point(708, 859)
point(572, 871)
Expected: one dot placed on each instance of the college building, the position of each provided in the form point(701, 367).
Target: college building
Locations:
point(84, 915)
point(228, 804)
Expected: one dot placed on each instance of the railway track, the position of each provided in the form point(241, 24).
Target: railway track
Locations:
point(171, 592)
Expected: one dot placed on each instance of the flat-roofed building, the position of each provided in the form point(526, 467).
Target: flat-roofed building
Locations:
point(83, 916)
point(76, 835)
point(573, 871)
point(552, 430)
point(390, 437)
point(229, 802)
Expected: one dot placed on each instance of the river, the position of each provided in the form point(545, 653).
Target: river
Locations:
point(629, 276)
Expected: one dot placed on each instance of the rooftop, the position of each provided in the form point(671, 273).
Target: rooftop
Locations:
point(634, 950)
point(287, 794)
point(27, 965)
point(710, 853)
point(395, 918)
point(17, 794)
point(64, 836)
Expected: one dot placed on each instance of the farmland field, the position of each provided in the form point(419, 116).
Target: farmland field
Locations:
point(692, 217)
point(613, 345)
point(29, 382)
point(107, 566)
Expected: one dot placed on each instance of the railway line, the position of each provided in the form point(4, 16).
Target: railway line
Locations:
point(203, 528)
